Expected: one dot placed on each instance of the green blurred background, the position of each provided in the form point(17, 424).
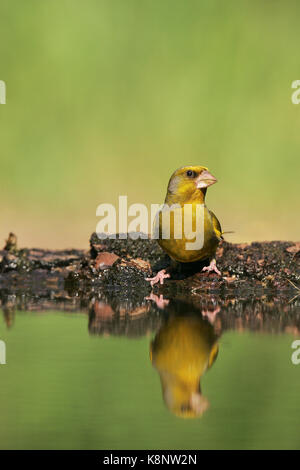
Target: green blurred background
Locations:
point(109, 97)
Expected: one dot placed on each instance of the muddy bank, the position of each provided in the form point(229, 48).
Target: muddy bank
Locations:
point(258, 289)
point(109, 315)
point(121, 266)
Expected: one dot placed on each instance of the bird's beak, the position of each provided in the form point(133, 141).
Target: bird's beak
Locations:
point(205, 179)
point(199, 403)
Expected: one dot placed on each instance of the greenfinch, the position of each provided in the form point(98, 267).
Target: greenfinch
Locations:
point(185, 197)
point(183, 349)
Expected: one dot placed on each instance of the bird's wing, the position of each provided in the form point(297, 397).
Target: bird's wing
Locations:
point(216, 225)
point(213, 355)
point(151, 351)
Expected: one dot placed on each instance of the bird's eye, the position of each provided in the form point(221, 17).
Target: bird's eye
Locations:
point(191, 174)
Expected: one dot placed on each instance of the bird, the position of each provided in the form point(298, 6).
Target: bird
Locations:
point(184, 348)
point(185, 195)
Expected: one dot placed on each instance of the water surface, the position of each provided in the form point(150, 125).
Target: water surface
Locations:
point(83, 379)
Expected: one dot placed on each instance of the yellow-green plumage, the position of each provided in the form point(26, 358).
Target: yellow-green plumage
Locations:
point(182, 191)
point(183, 350)
point(186, 193)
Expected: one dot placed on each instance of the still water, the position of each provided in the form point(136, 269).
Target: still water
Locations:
point(167, 374)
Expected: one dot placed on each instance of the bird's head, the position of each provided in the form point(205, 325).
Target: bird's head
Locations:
point(189, 183)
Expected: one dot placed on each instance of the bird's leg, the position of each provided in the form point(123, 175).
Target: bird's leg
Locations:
point(211, 314)
point(159, 301)
point(160, 276)
point(212, 267)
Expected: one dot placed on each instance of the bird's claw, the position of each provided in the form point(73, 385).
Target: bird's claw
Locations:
point(212, 268)
point(160, 276)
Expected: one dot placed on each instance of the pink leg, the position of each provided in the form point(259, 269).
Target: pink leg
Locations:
point(160, 276)
point(212, 268)
point(160, 301)
point(211, 314)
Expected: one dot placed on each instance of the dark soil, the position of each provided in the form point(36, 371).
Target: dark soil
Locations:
point(123, 265)
point(259, 287)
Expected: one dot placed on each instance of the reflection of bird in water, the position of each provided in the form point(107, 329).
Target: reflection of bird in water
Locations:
point(182, 350)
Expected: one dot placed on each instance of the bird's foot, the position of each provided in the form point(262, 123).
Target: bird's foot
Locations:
point(159, 301)
point(160, 276)
point(211, 314)
point(212, 268)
